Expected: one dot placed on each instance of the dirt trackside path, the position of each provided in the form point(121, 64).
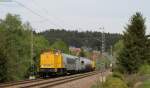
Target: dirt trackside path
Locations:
point(81, 83)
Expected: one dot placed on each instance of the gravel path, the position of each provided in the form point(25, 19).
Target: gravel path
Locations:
point(137, 84)
point(81, 83)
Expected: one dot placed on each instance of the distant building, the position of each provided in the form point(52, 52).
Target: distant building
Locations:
point(86, 48)
point(95, 54)
point(75, 50)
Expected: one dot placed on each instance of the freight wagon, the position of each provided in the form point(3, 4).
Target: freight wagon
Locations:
point(52, 63)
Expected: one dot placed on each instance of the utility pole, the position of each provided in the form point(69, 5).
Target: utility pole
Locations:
point(103, 51)
point(103, 40)
point(111, 50)
point(111, 58)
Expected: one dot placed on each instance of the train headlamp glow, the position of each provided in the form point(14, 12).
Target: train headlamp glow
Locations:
point(42, 66)
point(45, 65)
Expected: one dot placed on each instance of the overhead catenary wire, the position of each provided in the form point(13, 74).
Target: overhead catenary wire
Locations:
point(46, 11)
point(35, 13)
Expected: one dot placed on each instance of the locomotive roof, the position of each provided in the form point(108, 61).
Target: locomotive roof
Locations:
point(67, 55)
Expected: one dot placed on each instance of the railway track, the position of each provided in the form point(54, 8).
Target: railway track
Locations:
point(18, 83)
point(41, 83)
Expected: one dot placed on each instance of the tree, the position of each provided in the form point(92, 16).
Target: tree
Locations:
point(60, 45)
point(3, 65)
point(15, 48)
point(118, 48)
point(82, 53)
point(134, 52)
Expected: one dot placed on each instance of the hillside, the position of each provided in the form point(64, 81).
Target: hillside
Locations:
point(81, 39)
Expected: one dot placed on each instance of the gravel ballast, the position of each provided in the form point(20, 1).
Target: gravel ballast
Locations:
point(81, 83)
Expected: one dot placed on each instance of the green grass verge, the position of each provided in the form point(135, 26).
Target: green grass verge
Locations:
point(146, 84)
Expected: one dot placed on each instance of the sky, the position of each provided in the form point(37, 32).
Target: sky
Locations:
point(82, 15)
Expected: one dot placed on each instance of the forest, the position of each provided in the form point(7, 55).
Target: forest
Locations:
point(86, 39)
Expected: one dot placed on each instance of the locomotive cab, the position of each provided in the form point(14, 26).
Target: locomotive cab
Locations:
point(51, 63)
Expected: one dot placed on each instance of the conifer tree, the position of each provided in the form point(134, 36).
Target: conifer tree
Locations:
point(134, 52)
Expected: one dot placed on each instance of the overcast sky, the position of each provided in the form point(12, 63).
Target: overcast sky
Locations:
point(81, 15)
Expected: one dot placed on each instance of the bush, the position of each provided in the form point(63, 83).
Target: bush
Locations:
point(131, 80)
point(144, 70)
point(118, 75)
point(111, 82)
point(114, 82)
point(146, 84)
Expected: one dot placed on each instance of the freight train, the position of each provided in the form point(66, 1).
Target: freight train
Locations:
point(54, 63)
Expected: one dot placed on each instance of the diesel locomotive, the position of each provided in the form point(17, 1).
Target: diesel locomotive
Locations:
point(52, 63)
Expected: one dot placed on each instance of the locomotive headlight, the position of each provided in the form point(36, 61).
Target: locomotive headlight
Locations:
point(42, 66)
point(45, 65)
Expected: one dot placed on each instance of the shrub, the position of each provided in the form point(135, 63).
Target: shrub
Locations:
point(114, 82)
point(118, 75)
point(131, 80)
point(146, 84)
point(144, 70)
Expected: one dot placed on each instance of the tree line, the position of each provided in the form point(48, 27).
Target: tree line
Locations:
point(86, 39)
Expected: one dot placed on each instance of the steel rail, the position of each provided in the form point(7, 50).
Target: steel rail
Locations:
point(39, 82)
point(51, 83)
point(2, 85)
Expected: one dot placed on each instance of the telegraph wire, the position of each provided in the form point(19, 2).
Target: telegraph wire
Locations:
point(35, 13)
point(28, 8)
point(46, 11)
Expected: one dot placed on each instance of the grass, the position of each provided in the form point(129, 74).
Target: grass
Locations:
point(111, 82)
point(146, 84)
point(97, 85)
